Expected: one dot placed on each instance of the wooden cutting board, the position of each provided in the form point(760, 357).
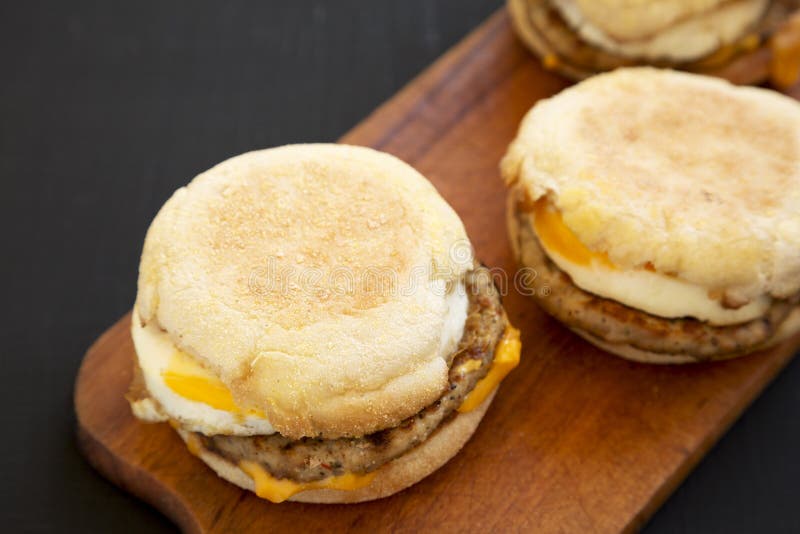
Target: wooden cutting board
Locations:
point(576, 440)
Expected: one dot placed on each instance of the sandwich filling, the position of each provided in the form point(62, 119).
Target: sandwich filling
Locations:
point(486, 350)
point(603, 310)
point(676, 38)
point(571, 39)
point(644, 288)
point(192, 394)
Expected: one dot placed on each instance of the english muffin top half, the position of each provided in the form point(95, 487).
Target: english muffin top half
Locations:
point(322, 284)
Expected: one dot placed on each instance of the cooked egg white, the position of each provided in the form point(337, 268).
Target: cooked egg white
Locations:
point(188, 392)
point(643, 289)
point(193, 395)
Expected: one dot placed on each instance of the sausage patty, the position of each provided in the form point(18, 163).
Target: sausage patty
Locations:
point(310, 459)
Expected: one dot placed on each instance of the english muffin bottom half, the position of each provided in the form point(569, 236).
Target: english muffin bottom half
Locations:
point(312, 322)
point(745, 41)
point(661, 213)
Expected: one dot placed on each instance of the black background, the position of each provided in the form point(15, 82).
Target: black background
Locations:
point(106, 108)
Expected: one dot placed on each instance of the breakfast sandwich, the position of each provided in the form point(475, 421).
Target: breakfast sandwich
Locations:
point(312, 322)
point(660, 212)
point(745, 41)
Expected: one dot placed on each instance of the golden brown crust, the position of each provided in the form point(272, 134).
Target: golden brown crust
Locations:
point(695, 176)
point(391, 478)
point(284, 269)
point(635, 334)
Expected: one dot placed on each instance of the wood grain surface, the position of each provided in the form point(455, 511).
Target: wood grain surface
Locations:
point(576, 440)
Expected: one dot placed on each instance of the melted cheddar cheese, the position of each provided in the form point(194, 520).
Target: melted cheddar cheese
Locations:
point(555, 235)
point(506, 358)
point(643, 288)
point(469, 366)
point(785, 47)
point(279, 489)
point(194, 445)
point(550, 62)
point(191, 381)
point(727, 53)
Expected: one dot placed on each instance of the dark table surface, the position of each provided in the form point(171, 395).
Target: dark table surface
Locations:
point(107, 107)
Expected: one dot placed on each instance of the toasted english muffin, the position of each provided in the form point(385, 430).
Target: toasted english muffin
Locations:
point(745, 41)
point(673, 197)
point(296, 305)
